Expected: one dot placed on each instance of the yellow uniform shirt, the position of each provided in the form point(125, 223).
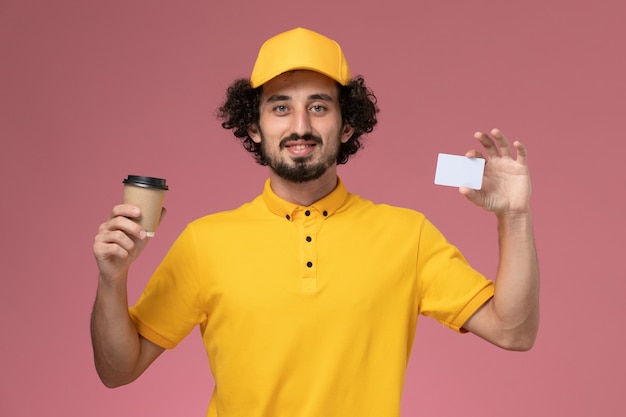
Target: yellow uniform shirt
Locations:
point(308, 311)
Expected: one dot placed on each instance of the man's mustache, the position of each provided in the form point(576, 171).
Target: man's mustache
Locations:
point(293, 137)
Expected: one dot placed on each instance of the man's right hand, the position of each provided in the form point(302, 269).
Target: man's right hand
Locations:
point(119, 242)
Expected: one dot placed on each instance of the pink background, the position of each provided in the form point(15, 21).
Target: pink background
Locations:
point(93, 91)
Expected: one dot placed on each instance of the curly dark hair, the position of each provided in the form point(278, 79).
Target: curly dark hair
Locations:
point(241, 110)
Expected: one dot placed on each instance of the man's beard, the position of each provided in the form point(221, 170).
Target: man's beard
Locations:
point(300, 171)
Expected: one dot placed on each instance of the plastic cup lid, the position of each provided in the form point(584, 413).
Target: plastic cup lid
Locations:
point(146, 182)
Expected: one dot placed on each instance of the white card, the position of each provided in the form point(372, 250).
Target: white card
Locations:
point(459, 171)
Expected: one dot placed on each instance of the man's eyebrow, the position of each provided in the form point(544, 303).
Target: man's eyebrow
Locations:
point(321, 96)
point(318, 96)
point(274, 98)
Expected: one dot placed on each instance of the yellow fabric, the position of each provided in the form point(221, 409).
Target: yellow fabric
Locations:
point(329, 338)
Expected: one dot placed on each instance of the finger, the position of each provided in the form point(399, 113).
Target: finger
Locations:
point(502, 143)
point(116, 236)
point(488, 143)
point(126, 210)
point(522, 153)
point(114, 243)
point(124, 224)
point(106, 251)
point(473, 153)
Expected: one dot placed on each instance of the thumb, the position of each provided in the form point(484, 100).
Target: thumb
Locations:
point(467, 192)
point(472, 195)
point(163, 213)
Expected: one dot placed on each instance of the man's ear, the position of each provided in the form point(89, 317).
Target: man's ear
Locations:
point(346, 133)
point(253, 132)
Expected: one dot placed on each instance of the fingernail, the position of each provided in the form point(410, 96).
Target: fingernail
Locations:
point(142, 235)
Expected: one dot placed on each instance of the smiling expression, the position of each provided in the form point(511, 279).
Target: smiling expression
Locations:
point(300, 127)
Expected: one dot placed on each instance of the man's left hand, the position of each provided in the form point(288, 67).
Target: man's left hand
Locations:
point(506, 185)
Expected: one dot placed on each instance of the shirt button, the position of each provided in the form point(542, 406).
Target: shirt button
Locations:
point(309, 264)
point(308, 238)
point(288, 217)
point(307, 213)
point(325, 213)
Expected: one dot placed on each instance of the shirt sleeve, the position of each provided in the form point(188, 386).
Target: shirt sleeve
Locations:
point(450, 290)
point(170, 305)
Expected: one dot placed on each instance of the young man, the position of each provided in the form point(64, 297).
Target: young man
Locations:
point(308, 296)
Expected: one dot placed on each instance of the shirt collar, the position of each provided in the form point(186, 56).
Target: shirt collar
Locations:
point(327, 205)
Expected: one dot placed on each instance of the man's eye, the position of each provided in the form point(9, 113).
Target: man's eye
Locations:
point(318, 108)
point(280, 108)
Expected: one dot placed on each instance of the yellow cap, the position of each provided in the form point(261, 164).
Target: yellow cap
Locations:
point(300, 49)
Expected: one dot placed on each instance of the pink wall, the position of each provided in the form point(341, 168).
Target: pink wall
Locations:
point(93, 91)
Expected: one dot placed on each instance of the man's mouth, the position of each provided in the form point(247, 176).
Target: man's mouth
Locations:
point(299, 146)
point(300, 142)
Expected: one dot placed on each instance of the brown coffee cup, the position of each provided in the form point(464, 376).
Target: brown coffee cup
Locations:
point(147, 193)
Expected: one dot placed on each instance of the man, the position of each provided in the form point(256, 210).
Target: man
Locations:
point(308, 296)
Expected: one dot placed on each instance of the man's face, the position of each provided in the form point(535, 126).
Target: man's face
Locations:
point(300, 128)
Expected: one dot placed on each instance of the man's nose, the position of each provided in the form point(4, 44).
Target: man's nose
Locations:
point(301, 122)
